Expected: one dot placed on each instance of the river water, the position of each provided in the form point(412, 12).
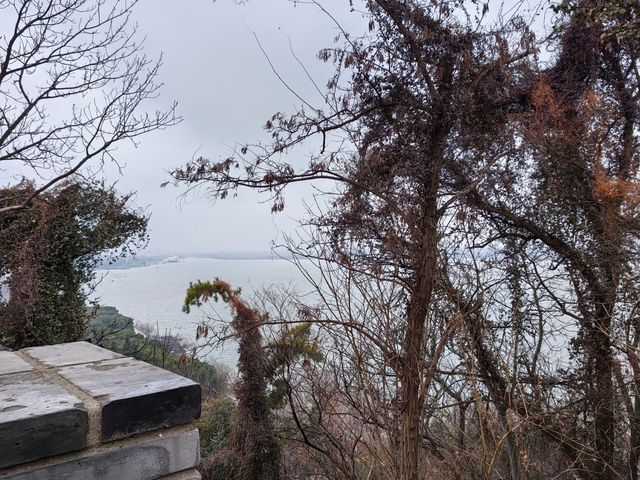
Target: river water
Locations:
point(154, 294)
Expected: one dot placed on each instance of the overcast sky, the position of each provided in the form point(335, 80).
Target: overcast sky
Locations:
point(213, 67)
point(226, 90)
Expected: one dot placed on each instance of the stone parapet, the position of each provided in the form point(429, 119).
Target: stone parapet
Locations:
point(78, 411)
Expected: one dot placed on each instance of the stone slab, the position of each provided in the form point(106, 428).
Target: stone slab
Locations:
point(38, 419)
point(140, 459)
point(12, 363)
point(70, 354)
point(135, 396)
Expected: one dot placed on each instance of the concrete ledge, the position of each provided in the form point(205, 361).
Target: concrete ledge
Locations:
point(69, 354)
point(128, 416)
point(135, 397)
point(147, 457)
point(38, 419)
point(58, 399)
point(12, 363)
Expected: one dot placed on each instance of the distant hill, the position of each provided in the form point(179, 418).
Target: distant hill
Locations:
point(147, 260)
point(239, 255)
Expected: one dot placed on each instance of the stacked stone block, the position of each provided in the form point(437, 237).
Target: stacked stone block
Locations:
point(78, 411)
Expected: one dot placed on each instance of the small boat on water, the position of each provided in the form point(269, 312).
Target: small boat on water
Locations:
point(171, 259)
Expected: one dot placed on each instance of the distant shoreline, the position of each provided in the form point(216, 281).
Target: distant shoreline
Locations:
point(140, 261)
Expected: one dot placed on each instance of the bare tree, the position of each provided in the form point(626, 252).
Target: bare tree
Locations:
point(497, 195)
point(73, 80)
point(410, 97)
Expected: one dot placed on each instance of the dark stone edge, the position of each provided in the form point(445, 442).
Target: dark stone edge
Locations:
point(44, 436)
point(129, 416)
point(136, 460)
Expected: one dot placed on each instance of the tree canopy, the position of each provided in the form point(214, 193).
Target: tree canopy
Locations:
point(49, 253)
point(478, 250)
point(73, 84)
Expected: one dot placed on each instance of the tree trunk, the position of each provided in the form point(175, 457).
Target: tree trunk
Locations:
point(634, 444)
point(510, 443)
point(603, 397)
point(410, 436)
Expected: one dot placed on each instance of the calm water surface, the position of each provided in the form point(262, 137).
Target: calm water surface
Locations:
point(154, 294)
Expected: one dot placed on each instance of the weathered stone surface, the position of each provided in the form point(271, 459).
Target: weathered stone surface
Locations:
point(38, 419)
point(12, 363)
point(135, 396)
point(70, 354)
point(48, 405)
point(144, 459)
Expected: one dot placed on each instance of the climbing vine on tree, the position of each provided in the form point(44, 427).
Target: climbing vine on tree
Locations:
point(49, 254)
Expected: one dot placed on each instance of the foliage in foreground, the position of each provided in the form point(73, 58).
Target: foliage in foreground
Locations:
point(215, 424)
point(269, 350)
point(252, 450)
point(49, 254)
